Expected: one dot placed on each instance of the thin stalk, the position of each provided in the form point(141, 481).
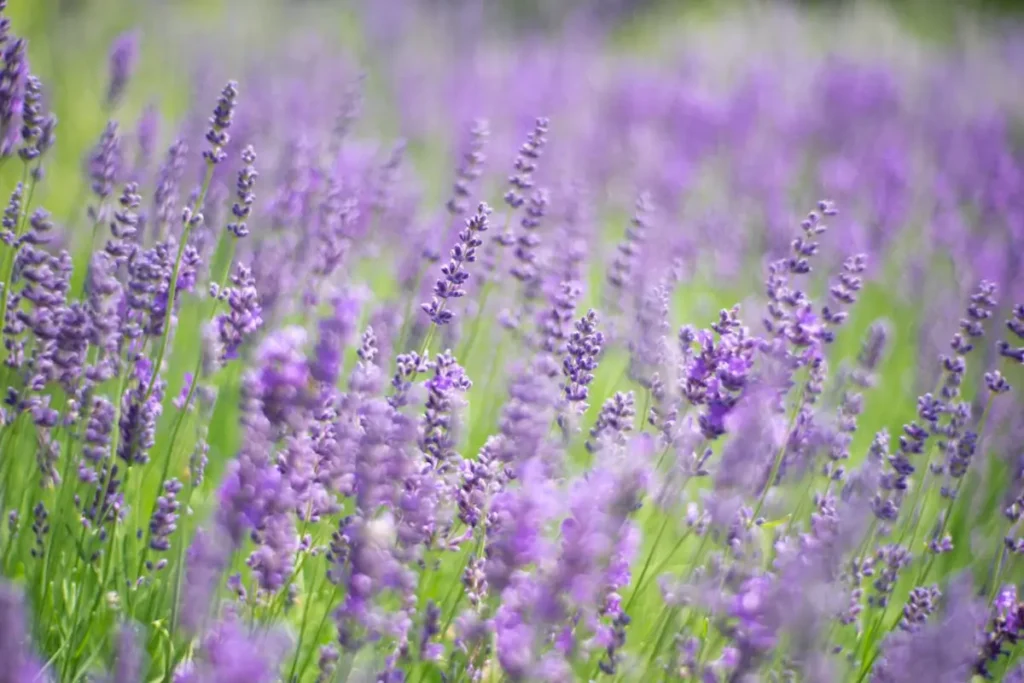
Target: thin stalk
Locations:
point(997, 574)
point(485, 291)
point(776, 465)
point(172, 285)
point(407, 316)
point(952, 500)
point(316, 634)
point(302, 632)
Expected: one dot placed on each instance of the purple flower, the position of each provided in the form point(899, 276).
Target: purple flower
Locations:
point(253, 490)
point(715, 374)
point(469, 169)
point(104, 165)
point(366, 376)
point(922, 601)
point(12, 84)
point(439, 433)
point(273, 560)
point(123, 55)
point(281, 378)
point(220, 122)
point(843, 292)
point(525, 267)
point(242, 207)
point(128, 657)
point(614, 422)
point(526, 164)
point(140, 410)
point(364, 559)
point(165, 197)
point(624, 267)
point(230, 653)
point(580, 361)
point(515, 534)
point(244, 316)
point(1016, 326)
point(453, 273)
point(1004, 629)
point(164, 521)
point(208, 556)
point(943, 650)
point(147, 132)
point(555, 323)
point(32, 120)
point(98, 430)
point(19, 663)
point(335, 334)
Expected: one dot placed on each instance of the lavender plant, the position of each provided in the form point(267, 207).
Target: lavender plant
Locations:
point(238, 442)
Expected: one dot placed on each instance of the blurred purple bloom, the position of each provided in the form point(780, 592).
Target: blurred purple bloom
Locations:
point(229, 653)
point(19, 663)
point(124, 53)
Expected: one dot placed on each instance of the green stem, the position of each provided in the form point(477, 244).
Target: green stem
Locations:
point(407, 317)
point(997, 575)
point(316, 635)
point(952, 500)
point(776, 464)
point(172, 285)
point(485, 291)
point(302, 631)
point(647, 565)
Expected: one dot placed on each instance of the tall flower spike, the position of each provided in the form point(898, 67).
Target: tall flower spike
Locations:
point(581, 359)
point(521, 182)
point(12, 213)
point(104, 163)
point(165, 197)
point(220, 122)
point(231, 653)
point(244, 316)
point(843, 292)
point(123, 54)
point(246, 182)
point(128, 658)
point(439, 437)
point(12, 83)
point(18, 661)
point(614, 422)
point(470, 168)
point(624, 265)
point(453, 273)
point(1016, 327)
point(525, 267)
point(31, 119)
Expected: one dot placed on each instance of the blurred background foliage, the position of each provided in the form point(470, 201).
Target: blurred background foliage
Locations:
point(69, 40)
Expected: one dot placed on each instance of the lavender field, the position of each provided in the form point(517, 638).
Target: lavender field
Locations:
point(414, 341)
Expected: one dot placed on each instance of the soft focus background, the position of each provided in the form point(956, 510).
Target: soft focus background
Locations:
point(182, 38)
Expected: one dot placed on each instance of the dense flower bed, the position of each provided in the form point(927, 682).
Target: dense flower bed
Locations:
point(556, 386)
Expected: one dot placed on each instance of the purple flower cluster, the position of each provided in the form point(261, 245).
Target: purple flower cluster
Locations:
point(453, 274)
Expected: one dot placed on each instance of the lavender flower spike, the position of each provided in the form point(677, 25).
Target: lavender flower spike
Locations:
point(453, 273)
point(19, 665)
point(220, 121)
point(522, 181)
point(246, 182)
point(581, 359)
point(470, 168)
point(123, 55)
